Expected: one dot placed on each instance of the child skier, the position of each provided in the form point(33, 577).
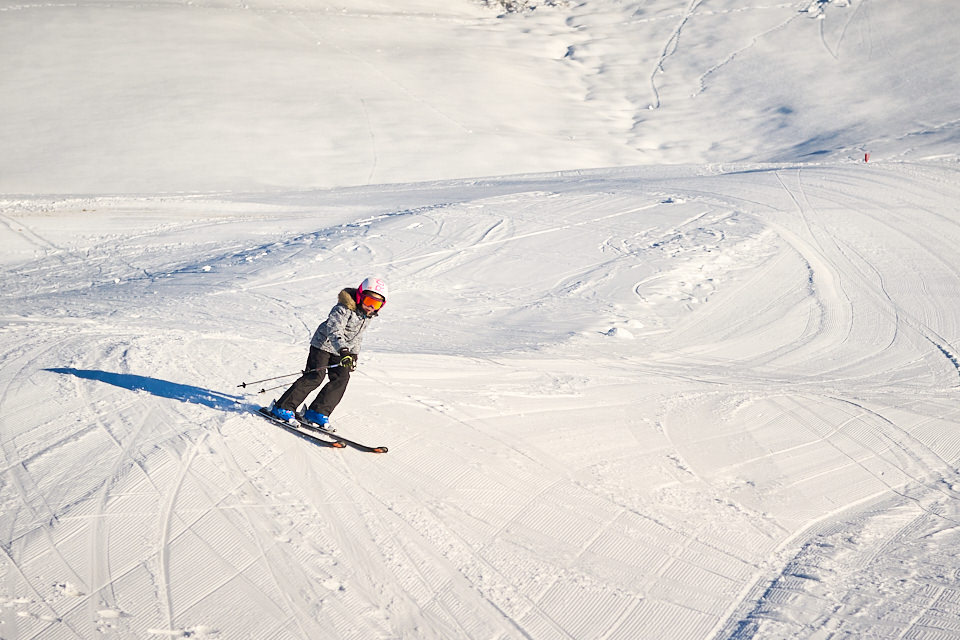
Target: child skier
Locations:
point(333, 351)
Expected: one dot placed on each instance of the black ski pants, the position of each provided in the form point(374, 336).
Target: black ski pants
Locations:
point(331, 393)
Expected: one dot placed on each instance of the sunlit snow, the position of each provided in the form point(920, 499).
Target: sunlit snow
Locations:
point(663, 357)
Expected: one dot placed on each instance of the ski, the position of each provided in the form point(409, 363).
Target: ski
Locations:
point(265, 413)
point(306, 424)
point(313, 433)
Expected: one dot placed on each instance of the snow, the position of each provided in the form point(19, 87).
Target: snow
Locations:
point(663, 356)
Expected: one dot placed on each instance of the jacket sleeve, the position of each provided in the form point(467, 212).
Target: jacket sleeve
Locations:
point(336, 324)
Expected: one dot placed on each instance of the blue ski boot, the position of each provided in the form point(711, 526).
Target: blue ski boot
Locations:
point(282, 414)
point(316, 418)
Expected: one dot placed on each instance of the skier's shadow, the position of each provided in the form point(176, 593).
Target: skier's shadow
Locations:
point(160, 388)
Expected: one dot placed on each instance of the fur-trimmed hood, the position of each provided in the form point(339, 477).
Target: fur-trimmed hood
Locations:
point(348, 298)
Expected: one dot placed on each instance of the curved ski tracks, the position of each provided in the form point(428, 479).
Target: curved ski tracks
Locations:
point(918, 478)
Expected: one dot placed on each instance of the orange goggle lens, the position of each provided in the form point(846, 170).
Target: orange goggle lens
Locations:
point(371, 301)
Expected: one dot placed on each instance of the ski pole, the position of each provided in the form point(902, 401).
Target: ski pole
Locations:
point(272, 388)
point(287, 375)
point(281, 386)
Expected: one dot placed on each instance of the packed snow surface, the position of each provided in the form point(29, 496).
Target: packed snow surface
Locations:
point(716, 399)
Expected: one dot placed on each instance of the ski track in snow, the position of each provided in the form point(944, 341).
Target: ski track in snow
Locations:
point(622, 404)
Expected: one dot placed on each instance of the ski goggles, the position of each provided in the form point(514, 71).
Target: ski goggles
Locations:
point(372, 300)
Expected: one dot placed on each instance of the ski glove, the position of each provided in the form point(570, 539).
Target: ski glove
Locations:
point(348, 360)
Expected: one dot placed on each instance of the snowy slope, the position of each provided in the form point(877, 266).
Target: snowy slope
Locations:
point(712, 402)
point(709, 400)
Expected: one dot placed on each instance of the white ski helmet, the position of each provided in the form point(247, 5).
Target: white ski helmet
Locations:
point(372, 285)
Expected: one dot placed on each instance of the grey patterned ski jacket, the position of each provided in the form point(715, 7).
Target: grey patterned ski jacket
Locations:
point(344, 327)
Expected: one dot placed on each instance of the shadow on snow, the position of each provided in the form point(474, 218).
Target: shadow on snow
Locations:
point(161, 388)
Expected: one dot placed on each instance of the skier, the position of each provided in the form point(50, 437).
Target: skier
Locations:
point(333, 351)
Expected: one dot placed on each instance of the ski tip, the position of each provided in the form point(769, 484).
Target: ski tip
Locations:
point(380, 450)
